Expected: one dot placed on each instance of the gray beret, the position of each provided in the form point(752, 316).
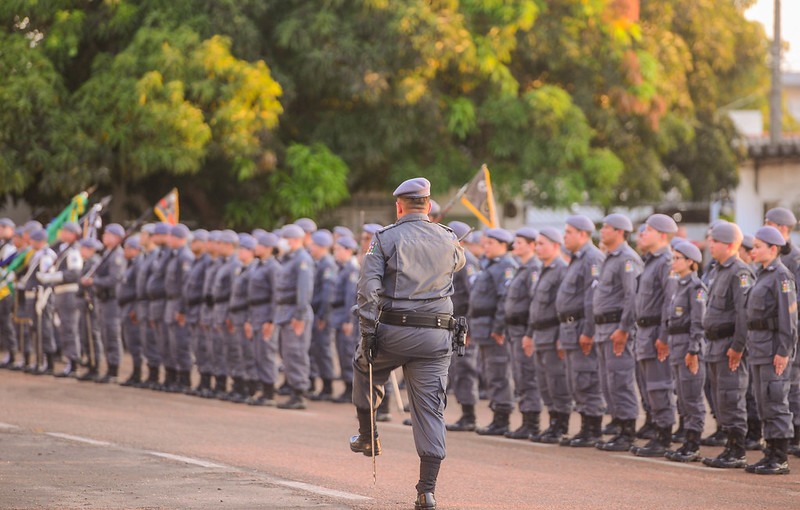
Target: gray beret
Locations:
point(115, 229)
point(347, 242)
point(31, 226)
point(6, 222)
point(770, 235)
point(307, 224)
point(39, 234)
point(581, 222)
point(781, 216)
point(19, 231)
point(414, 188)
point(71, 226)
point(662, 223)
point(92, 244)
point(267, 239)
point(747, 241)
point(322, 238)
point(725, 232)
point(689, 250)
point(475, 237)
point(247, 241)
point(149, 228)
point(342, 231)
point(229, 237)
point(460, 228)
point(162, 229)
point(180, 231)
point(502, 235)
point(436, 209)
point(675, 241)
point(529, 233)
point(292, 232)
point(257, 231)
point(214, 236)
point(133, 243)
point(200, 234)
point(553, 234)
point(371, 228)
point(714, 224)
point(619, 222)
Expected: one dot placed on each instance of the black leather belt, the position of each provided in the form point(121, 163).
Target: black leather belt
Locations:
point(517, 320)
point(769, 324)
point(222, 299)
point(608, 317)
point(291, 301)
point(337, 304)
point(174, 296)
point(546, 324)
point(156, 296)
point(262, 301)
point(196, 301)
point(238, 308)
point(679, 329)
point(417, 319)
point(720, 332)
point(646, 322)
point(571, 316)
point(125, 301)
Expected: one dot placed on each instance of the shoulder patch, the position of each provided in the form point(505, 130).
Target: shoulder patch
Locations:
point(534, 277)
point(303, 265)
point(595, 270)
point(786, 286)
point(628, 266)
point(509, 274)
point(745, 282)
point(701, 295)
point(371, 249)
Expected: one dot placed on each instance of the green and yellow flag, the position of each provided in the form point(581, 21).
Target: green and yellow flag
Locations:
point(72, 212)
point(478, 198)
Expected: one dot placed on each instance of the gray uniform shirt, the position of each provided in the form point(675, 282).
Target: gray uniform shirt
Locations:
point(109, 275)
point(487, 298)
point(294, 286)
point(207, 308)
point(126, 289)
point(193, 284)
point(651, 301)
point(687, 306)
point(576, 292)
point(144, 260)
point(156, 283)
point(616, 286)
point(221, 288)
point(260, 291)
point(239, 294)
point(772, 299)
point(726, 306)
point(325, 271)
point(178, 267)
point(543, 305)
point(517, 301)
point(344, 293)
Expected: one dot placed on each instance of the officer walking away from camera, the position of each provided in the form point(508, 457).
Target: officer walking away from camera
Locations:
point(406, 320)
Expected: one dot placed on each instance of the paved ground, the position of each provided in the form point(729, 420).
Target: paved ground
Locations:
point(65, 444)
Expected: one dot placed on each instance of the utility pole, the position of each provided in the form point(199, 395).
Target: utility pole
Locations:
point(775, 111)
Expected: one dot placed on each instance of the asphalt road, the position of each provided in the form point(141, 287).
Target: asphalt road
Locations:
point(65, 444)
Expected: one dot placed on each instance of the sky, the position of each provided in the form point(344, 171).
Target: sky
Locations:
point(790, 17)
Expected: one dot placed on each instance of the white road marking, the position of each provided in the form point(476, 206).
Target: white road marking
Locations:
point(78, 439)
point(664, 462)
point(316, 489)
point(186, 460)
point(8, 426)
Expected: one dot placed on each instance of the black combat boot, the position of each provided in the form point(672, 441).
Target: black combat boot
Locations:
point(202, 386)
point(285, 389)
point(794, 444)
point(110, 377)
point(718, 438)
point(733, 456)
point(71, 370)
point(135, 378)
point(362, 442)
point(648, 430)
point(590, 434)
point(753, 440)
point(690, 451)
point(325, 394)
point(9, 361)
point(220, 386)
point(152, 377)
point(529, 427)
point(613, 428)
point(679, 436)
point(498, 427)
point(297, 401)
point(775, 459)
point(467, 421)
point(346, 397)
point(267, 397)
point(238, 392)
point(428, 472)
point(90, 375)
point(623, 441)
point(49, 363)
point(552, 434)
point(657, 446)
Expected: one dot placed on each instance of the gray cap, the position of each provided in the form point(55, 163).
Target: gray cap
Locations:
point(553, 234)
point(714, 224)
point(214, 236)
point(149, 228)
point(92, 244)
point(257, 231)
point(200, 234)
point(39, 234)
point(619, 222)
point(675, 241)
point(133, 243)
point(292, 232)
point(725, 232)
point(781, 216)
point(6, 222)
point(247, 241)
point(19, 231)
point(115, 229)
point(689, 251)
point(371, 228)
point(662, 223)
point(528, 233)
point(180, 231)
point(436, 209)
point(770, 235)
point(31, 226)
point(229, 237)
point(322, 238)
point(581, 222)
point(347, 242)
point(500, 234)
point(162, 228)
point(460, 228)
point(71, 226)
point(414, 188)
point(475, 237)
point(267, 239)
point(307, 224)
point(342, 231)
point(747, 241)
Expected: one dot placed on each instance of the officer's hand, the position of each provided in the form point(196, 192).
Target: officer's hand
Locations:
point(248, 331)
point(180, 318)
point(527, 346)
point(229, 325)
point(298, 327)
point(87, 282)
point(780, 362)
point(692, 362)
point(619, 338)
point(734, 358)
point(500, 339)
point(347, 328)
point(133, 318)
point(467, 340)
point(586, 344)
point(369, 346)
point(662, 349)
point(321, 324)
point(560, 352)
point(266, 331)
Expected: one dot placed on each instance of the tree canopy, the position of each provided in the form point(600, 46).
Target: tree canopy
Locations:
point(266, 110)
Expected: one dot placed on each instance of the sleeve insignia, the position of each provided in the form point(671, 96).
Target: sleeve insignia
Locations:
point(786, 286)
point(596, 270)
point(745, 281)
point(371, 250)
point(701, 295)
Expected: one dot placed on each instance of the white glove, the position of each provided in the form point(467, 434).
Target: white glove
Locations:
point(50, 278)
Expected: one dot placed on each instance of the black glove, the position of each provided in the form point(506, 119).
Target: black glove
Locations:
point(369, 346)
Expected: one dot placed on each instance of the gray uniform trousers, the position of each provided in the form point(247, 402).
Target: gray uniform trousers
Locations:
point(90, 323)
point(619, 373)
point(424, 355)
point(583, 371)
point(321, 352)
point(526, 382)
point(8, 334)
point(219, 350)
point(656, 378)
point(68, 307)
point(465, 376)
point(180, 346)
point(266, 355)
point(236, 345)
point(551, 372)
point(108, 313)
point(152, 347)
point(204, 353)
point(157, 315)
point(729, 390)
point(497, 372)
point(689, 387)
point(131, 334)
point(772, 395)
point(294, 352)
point(345, 347)
point(248, 350)
point(48, 337)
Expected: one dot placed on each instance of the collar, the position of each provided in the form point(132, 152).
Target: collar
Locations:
point(414, 217)
point(619, 249)
point(729, 261)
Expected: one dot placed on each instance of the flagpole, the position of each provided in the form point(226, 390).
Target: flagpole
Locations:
point(453, 201)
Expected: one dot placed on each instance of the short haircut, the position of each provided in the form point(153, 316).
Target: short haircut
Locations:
point(415, 204)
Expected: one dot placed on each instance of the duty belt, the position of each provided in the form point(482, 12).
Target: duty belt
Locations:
point(125, 301)
point(720, 332)
point(290, 301)
point(546, 324)
point(608, 317)
point(67, 287)
point(156, 296)
point(196, 301)
point(679, 329)
point(337, 304)
point(517, 320)
point(417, 319)
point(646, 322)
point(571, 316)
point(221, 299)
point(768, 324)
point(258, 302)
point(238, 308)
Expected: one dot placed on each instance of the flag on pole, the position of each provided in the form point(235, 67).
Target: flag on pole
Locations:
point(167, 208)
point(72, 212)
point(479, 199)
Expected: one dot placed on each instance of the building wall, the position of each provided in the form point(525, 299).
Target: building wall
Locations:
point(772, 183)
